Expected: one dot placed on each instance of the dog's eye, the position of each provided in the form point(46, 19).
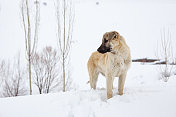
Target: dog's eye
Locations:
point(115, 36)
point(105, 40)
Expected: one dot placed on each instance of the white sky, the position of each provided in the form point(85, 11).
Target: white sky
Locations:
point(139, 22)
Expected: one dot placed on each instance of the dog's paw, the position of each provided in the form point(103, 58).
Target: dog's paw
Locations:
point(120, 93)
point(109, 95)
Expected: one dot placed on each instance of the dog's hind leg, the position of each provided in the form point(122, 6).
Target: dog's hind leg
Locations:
point(93, 75)
point(93, 78)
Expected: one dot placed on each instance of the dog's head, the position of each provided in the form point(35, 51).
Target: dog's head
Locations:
point(109, 42)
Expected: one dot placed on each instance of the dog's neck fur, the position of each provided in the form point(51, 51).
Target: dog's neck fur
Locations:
point(122, 50)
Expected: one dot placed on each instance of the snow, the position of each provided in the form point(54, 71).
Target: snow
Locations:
point(139, 22)
point(144, 95)
point(89, 104)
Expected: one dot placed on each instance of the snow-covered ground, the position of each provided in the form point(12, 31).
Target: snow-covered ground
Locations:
point(144, 96)
point(139, 22)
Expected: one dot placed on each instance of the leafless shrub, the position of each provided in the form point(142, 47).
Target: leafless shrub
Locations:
point(13, 82)
point(165, 52)
point(2, 65)
point(45, 68)
point(65, 18)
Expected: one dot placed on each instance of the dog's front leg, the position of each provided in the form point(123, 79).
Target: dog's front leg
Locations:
point(109, 85)
point(121, 83)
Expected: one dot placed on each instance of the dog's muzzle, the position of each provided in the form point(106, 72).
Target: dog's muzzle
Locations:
point(103, 49)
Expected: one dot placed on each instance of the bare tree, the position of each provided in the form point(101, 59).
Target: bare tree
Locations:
point(65, 18)
point(30, 26)
point(13, 83)
point(165, 53)
point(45, 67)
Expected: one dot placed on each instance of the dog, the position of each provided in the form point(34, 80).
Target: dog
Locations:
point(112, 59)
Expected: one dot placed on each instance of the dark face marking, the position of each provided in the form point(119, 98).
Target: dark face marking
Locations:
point(103, 49)
point(105, 40)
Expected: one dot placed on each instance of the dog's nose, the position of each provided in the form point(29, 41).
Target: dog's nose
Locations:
point(99, 49)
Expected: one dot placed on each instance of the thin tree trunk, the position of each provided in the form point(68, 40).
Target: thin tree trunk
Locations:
point(63, 67)
point(63, 56)
point(40, 91)
point(30, 76)
point(29, 47)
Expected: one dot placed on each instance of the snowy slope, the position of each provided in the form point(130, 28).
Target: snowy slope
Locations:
point(135, 103)
point(145, 96)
